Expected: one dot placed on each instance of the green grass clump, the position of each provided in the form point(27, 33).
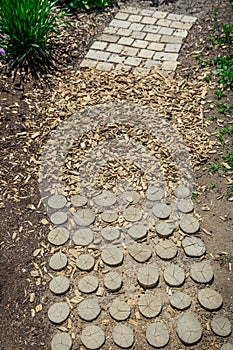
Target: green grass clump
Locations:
point(28, 27)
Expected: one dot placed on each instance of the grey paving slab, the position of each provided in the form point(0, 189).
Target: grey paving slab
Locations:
point(58, 312)
point(210, 299)
point(61, 341)
point(112, 256)
point(148, 276)
point(58, 261)
point(157, 335)
point(149, 305)
point(123, 336)
point(221, 326)
point(58, 236)
point(180, 300)
point(189, 329)
point(59, 284)
point(119, 310)
point(92, 337)
point(89, 309)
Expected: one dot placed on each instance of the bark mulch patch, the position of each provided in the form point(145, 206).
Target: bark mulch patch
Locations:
point(28, 114)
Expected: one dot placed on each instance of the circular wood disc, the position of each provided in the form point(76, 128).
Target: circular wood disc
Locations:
point(123, 336)
point(221, 326)
point(85, 262)
point(131, 197)
point(166, 249)
point(155, 193)
point(157, 335)
point(78, 200)
point(189, 329)
point(112, 256)
point(137, 231)
point(189, 224)
point(61, 341)
point(59, 218)
point(180, 300)
point(164, 229)
point(109, 216)
point(149, 305)
point(119, 310)
point(185, 205)
point(113, 281)
point(93, 337)
point(110, 233)
point(59, 284)
point(161, 210)
point(132, 214)
point(57, 201)
point(140, 252)
point(84, 217)
point(201, 272)
point(83, 237)
point(193, 246)
point(58, 236)
point(182, 192)
point(58, 261)
point(88, 284)
point(227, 346)
point(174, 275)
point(105, 199)
point(88, 309)
point(210, 299)
point(58, 312)
point(148, 276)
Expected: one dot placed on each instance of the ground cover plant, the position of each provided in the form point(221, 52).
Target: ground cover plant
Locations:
point(27, 28)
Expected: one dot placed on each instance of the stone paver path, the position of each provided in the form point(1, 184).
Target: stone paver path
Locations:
point(126, 262)
point(140, 39)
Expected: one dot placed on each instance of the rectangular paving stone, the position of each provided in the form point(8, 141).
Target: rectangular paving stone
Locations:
point(153, 37)
point(129, 51)
point(145, 53)
point(173, 47)
point(166, 31)
point(121, 15)
point(180, 32)
point(149, 20)
point(151, 29)
point(165, 56)
point(174, 17)
point(189, 19)
point(156, 46)
point(171, 39)
point(135, 18)
point(119, 23)
point(99, 45)
point(141, 44)
point(141, 71)
point(160, 14)
point(147, 12)
point(169, 65)
point(105, 66)
point(138, 35)
point(152, 63)
point(136, 26)
point(133, 61)
point(114, 58)
point(180, 25)
point(114, 48)
point(164, 22)
point(97, 55)
point(125, 40)
point(124, 32)
point(122, 67)
point(86, 63)
point(110, 30)
point(131, 10)
point(109, 38)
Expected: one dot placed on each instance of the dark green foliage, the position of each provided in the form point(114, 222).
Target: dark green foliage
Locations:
point(88, 4)
point(29, 26)
point(224, 71)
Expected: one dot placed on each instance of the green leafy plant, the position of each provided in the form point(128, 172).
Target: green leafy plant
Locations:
point(223, 108)
point(219, 94)
point(29, 27)
point(229, 159)
point(230, 192)
point(211, 185)
point(228, 31)
point(224, 71)
point(88, 4)
point(217, 166)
